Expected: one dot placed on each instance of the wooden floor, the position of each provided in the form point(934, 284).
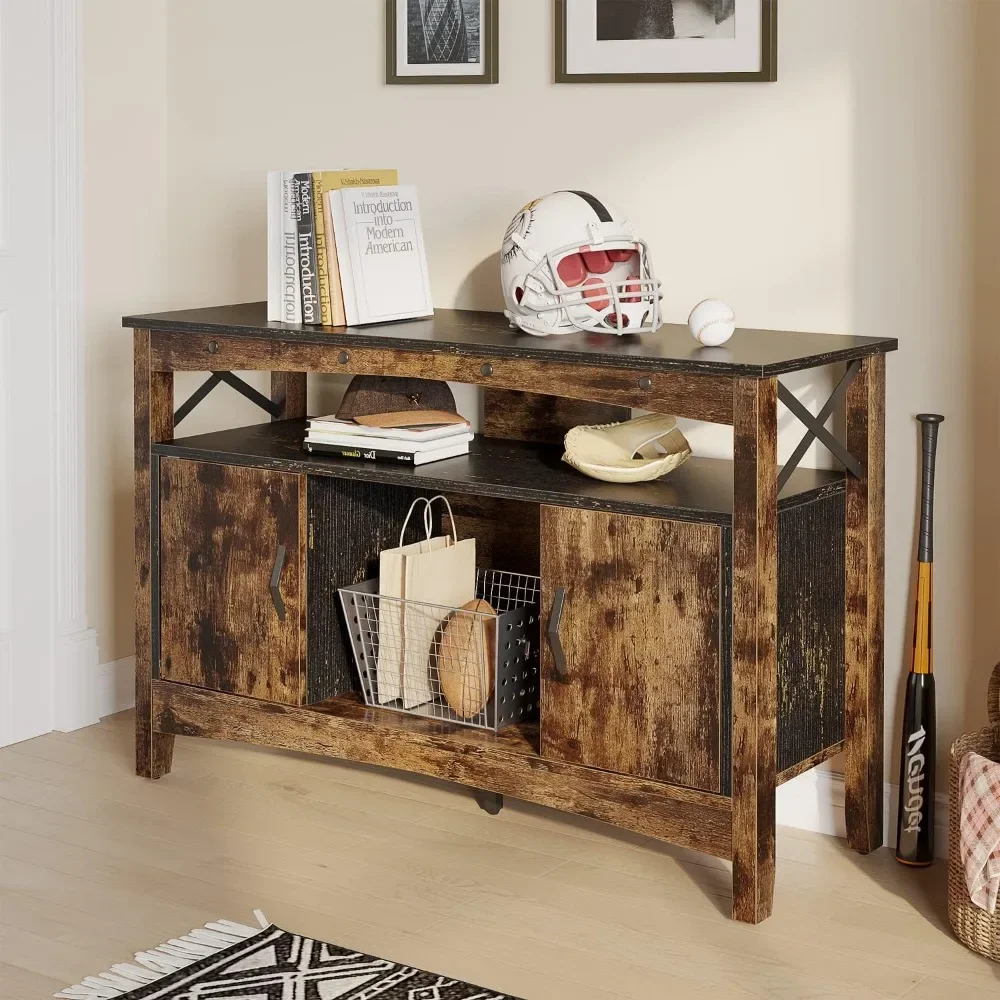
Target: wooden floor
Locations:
point(96, 864)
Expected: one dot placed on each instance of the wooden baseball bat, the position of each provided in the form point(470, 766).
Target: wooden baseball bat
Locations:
point(915, 822)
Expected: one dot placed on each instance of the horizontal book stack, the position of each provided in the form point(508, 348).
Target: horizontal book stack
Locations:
point(345, 248)
point(409, 445)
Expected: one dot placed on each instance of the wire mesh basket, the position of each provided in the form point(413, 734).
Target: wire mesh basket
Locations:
point(477, 665)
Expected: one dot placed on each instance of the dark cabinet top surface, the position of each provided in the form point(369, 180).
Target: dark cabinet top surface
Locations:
point(700, 490)
point(750, 353)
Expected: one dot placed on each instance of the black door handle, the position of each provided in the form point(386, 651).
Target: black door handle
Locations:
point(555, 643)
point(279, 565)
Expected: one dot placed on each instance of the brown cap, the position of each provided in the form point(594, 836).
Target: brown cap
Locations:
point(378, 401)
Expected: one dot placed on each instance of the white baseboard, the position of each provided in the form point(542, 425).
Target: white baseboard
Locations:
point(116, 686)
point(815, 801)
point(75, 701)
point(6, 701)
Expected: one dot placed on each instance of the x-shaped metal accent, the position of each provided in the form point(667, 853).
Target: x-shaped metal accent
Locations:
point(234, 381)
point(815, 431)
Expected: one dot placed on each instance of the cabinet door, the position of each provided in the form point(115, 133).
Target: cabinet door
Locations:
point(639, 692)
point(225, 534)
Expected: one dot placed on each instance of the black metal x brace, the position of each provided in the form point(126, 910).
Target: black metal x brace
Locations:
point(234, 381)
point(815, 429)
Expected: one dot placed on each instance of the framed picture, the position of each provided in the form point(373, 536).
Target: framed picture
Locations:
point(666, 41)
point(442, 41)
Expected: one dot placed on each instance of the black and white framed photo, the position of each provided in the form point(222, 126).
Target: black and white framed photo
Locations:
point(442, 41)
point(664, 41)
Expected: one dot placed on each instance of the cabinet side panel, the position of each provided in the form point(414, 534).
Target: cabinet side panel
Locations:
point(810, 629)
point(641, 632)
point(350, 523)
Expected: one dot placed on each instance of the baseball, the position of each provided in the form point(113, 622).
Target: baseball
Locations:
point(712, 322)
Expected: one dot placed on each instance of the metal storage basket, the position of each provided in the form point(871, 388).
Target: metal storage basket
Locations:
point(462, 666)
point(975, 928)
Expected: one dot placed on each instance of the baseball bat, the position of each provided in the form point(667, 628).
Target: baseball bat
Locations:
point(915, 822)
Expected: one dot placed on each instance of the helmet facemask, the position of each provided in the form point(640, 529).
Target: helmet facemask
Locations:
point(606, 287)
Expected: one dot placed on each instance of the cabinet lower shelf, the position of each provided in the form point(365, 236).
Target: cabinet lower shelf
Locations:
point(507, 763)
point(700, 490)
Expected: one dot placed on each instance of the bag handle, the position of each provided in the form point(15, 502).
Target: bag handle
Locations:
point(444, 500)
point(993, 697)
point(428, 525)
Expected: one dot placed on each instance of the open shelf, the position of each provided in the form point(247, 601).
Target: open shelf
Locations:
point(701, 490)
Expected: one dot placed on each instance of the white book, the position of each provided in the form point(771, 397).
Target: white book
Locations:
point(332, 425)
point(441, 453)
point(275, 232)
point(291, 293)
point(386, 444)
point(380, 249)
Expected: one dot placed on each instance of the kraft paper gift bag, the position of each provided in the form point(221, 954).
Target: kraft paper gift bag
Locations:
point(392, 584)
point(437, 582)
point(432, 577)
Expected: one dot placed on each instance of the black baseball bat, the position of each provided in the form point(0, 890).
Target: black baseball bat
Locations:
point(915, 821)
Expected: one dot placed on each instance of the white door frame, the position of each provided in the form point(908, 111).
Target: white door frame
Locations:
point(75, 697)
point(48, 678)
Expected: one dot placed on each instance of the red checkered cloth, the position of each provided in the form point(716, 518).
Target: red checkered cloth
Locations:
point(979, 784)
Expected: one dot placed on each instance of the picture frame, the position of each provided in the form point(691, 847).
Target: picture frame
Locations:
point(409, 58)
point(586, 55)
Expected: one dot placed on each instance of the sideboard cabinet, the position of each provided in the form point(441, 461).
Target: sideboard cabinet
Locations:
point(709, 635)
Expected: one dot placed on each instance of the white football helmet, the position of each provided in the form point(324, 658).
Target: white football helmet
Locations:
point(571, 262)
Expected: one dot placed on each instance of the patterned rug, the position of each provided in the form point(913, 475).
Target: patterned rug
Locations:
point(230, 961)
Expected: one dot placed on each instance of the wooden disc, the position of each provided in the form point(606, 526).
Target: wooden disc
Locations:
point(466, 670)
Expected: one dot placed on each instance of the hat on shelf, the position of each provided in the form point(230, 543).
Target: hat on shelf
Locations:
point(379, 401)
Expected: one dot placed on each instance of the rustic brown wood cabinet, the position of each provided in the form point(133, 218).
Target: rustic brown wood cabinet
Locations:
point(709, 635)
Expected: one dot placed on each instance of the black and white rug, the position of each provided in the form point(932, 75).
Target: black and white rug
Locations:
point(230, 961)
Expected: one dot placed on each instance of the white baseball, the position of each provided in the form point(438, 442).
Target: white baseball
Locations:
point(712, 322)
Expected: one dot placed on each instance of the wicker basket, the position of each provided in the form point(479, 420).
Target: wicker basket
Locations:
point(974, 927)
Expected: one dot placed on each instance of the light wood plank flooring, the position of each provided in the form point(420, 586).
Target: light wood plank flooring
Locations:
point(96, 864)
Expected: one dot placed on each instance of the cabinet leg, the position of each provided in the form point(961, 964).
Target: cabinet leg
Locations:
point(865, 603)
point(490, 802)
point(755, 665)
point(154, 421)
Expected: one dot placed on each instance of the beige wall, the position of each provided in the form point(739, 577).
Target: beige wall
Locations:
point(125, 270)
point(846, 197)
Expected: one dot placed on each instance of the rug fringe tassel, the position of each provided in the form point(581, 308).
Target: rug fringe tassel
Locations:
point(155, 964)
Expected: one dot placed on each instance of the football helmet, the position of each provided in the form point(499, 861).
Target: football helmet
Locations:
point(571, 262)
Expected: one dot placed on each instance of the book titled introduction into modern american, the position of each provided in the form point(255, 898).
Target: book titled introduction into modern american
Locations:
point(381, 254)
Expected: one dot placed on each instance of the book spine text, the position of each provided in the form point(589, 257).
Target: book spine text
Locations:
point(291, 298)
point(322, 257)
point(306, 237)
point(362, 454)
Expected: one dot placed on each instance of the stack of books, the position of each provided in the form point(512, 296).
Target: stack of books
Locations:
point(345, 248)
point(409, 445)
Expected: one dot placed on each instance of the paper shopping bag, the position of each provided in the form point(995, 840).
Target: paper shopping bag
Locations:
point(436, 583)
point(392, 587)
